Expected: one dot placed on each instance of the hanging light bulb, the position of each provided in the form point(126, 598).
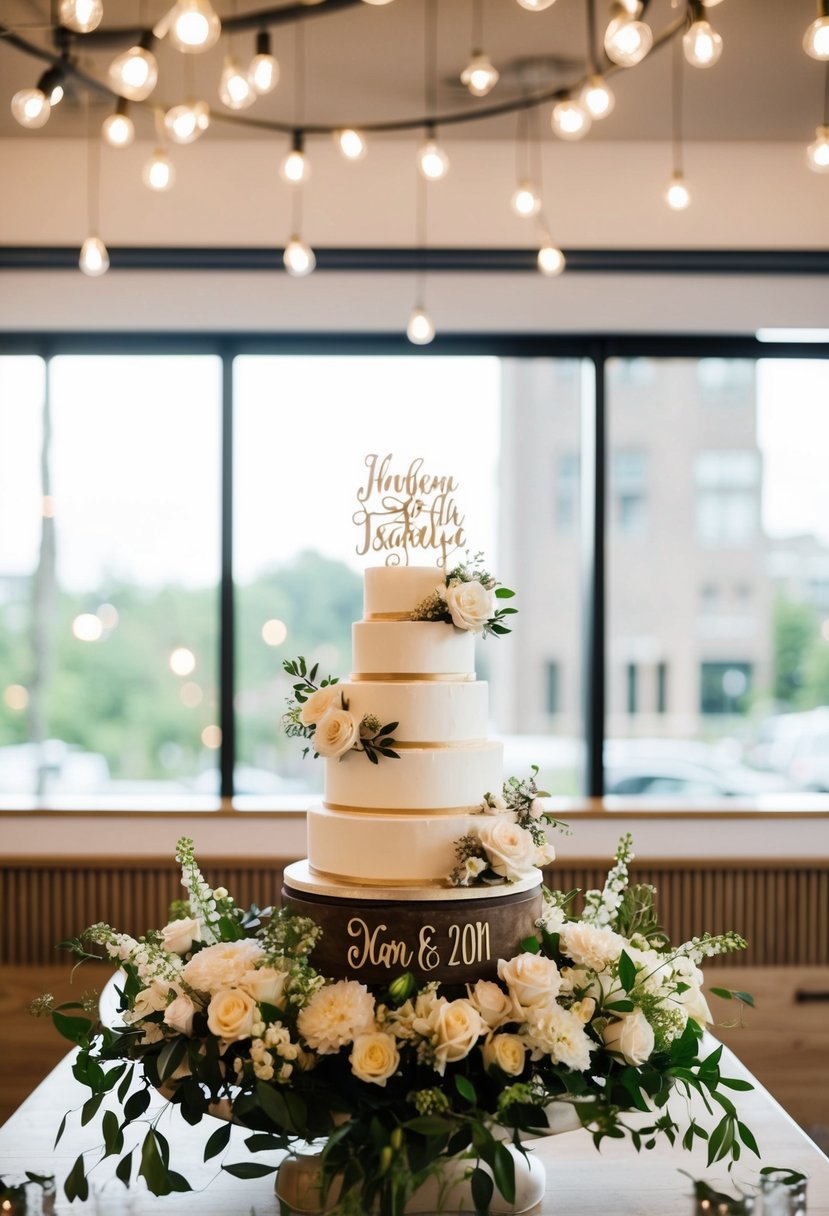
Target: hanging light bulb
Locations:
point(627, 40)
point(550, 260)
point(535, 6)
point(298, 257)
point(701, 44)
point(191, 25)
point(158, 172)
point(263, 72)
point(677, 194)
point(351, 143)
point(525, 201)
point(118, 129)
point(479, 75)
point(80, 15)
point(134, 73)
point(597, 98)
point(186, 122)
point(31, 108)
point(431, 158)
point(818, 152)
point(296, 167)
point(94, 259)
point(816, 38)
point(421, 328)
point(235, 89)
point(570, 120)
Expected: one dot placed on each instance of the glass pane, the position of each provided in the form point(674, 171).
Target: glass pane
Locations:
point(506, 430)
point(718, 576)
point(119, 474)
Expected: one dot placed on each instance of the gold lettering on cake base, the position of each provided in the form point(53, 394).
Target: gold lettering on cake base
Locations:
point(403, 511)
point(470, 946)
point(372, 949)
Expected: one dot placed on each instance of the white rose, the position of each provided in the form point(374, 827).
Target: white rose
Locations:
point(319, 704)
point(178, 936)
point(221, 966)
point(149, 1000)
point(589, 946)
point(230, 1014)
point(533, 980)
point(506, 1051)
point(630, 1037)
point(511, 849)
point(337, 732)
point(179, 1014)
point(374, 1057)
point(470, 605)
point(456, 1027)
point(493, 1004)
point(264, 984)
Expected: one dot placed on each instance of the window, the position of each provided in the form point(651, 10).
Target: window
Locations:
point(629, 492)
point(567, 491)
point(661, 688)
point(552, 688)
point(724, 687)
point(632, 685)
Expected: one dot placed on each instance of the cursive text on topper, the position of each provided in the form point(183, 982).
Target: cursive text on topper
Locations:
point(402, 511)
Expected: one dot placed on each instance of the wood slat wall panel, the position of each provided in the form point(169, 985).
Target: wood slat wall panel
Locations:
point(782, 908)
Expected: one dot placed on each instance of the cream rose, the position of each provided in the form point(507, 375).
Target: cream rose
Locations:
point(149, 1000)
point(179, 1014)
point(178, 936)
point(319, 704)
point(533, 980)
point(337, 732)
point(374, 1057)
point(221, 966)
point(493, 1004)
point(336, 1015)
point(511, 849)
point(264, 984)
point(470, 605)
point(456, 1027)
point(230, 1014)
point(506, 1051)
point(630, 1037)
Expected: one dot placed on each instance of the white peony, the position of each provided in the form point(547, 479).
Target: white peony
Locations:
point(558, 1033)
point(179, 1014)
point(374, 1057)
point(589, 946)
point(493, 1004)
point(230, 1014)
point(337, 732)
point(507, 1051)
point(319, 703)
point(456, 1027)
point(630, 1037)
point(533, 981)
point(178, 936)
point(221, 966)
point(511, 849)
point(470, 605)
point(335, 1015)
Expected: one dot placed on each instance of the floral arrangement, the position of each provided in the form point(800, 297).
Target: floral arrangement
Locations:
point(510, 841)
point(320, 712)
point(466, 599)
point(222, 1011)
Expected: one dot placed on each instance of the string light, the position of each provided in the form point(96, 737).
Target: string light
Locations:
point(816, 38)
point(818, 152)
point(82, 16)
point(263, 72)
point(351, 143)
point(94, 257)
point(570, 120)
point(702, 44)
point(296, 167)
point(550, 260)
point(479, 75)
point(192, 26)
point(525, 201)
point(677, 195)
point(186, 122)
point(118, 128)
point(134, 73)
point(32, 107)
point(597, 98)
point(298, 257)
point(627, 40)
point(420, 328)
point(536, 6)
point(431, 158)
point(158, 172)
point(235, 88)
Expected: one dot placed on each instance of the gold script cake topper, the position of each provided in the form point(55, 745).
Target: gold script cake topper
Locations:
point(404, 510)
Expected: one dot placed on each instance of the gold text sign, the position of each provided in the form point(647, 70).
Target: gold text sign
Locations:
point(405, 508)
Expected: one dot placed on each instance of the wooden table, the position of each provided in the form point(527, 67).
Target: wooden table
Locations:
point(580, 1181)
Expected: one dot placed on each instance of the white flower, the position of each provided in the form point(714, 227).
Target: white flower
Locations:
point(374, 1057)
point(335, 1015)
point(319, 703)
point(544, 854)
point(511, 849)
point(179, 1014)
point(558, 1033)
point(230, 1014)
point(470, 605)
point(456, 1027)
point(505, 1050)
point(630, 1037)
point(337, 732)
point(536, 809)
point(493, 804)
point(265, 984)
point(221, 966)
point(151, 999)
point(693, 1001)
point(590, 947)
point(493, 1004)
point(552, 916)
point(472, 867)
point(532, 979)
point(178, 936)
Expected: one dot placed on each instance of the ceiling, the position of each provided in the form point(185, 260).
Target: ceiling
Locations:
point(365, 63)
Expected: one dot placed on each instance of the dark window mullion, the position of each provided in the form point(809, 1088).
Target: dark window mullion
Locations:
point(594, 495)
point(227, 626)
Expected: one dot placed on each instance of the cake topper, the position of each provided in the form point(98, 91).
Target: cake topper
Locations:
point(404, 510)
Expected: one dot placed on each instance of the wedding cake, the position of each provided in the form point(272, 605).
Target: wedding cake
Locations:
point(383, 877)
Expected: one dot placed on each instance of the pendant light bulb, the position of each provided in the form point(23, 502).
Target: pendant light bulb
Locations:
point(118, 129)
point(818, 152)
point(186, 122)
point(263, 72)
point(479, 75)
point(536, 6)
point(432, 160)
point(298, 257)
point(550, 260)
point(701, 44)
point(421, 328)
point(816, 38)
point(627, 40)
point(570, 120)
point(134, 74)
point(235, 90)
point(597, 98)
point(31, 108)
point(82, 16)
point(351, 143)
point(158, 172)
point(194, 26)
point(296, 167)
point(525, 201)
point(677, 194)
point(94, 259)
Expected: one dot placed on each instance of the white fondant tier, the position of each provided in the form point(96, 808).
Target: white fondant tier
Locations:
point(302, 877)
point(396, 589)
point(437, 779)
point(428, 712)
point(391, 850)
point(406, 648)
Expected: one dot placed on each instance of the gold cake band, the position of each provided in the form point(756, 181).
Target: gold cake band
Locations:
point(354, 881)
point(387, 616)
point(402, 810)
point(438, 746)
point(409, 677)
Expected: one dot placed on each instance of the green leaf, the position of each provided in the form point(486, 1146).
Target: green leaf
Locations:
point(136, 1104)
point(530, 945)
point(61, 1130)
point(429, 1125)
point(747, 1138)
point(482, 1190)
point(113, 1136)
point(249, 1169)
point(170, 1056)
point(218, 1142)
point(76, 1185)
point(503, 593)
point(627, 971)
point(503, 1169)
point(152, 1167)
point(733, 1083)
point(123, 1088)
point(76, 1030)
point(90, 1109)
point(725, 993)
point(466, 1089)
point(745, 997)
point(263, 1142)
point(124, 1168)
